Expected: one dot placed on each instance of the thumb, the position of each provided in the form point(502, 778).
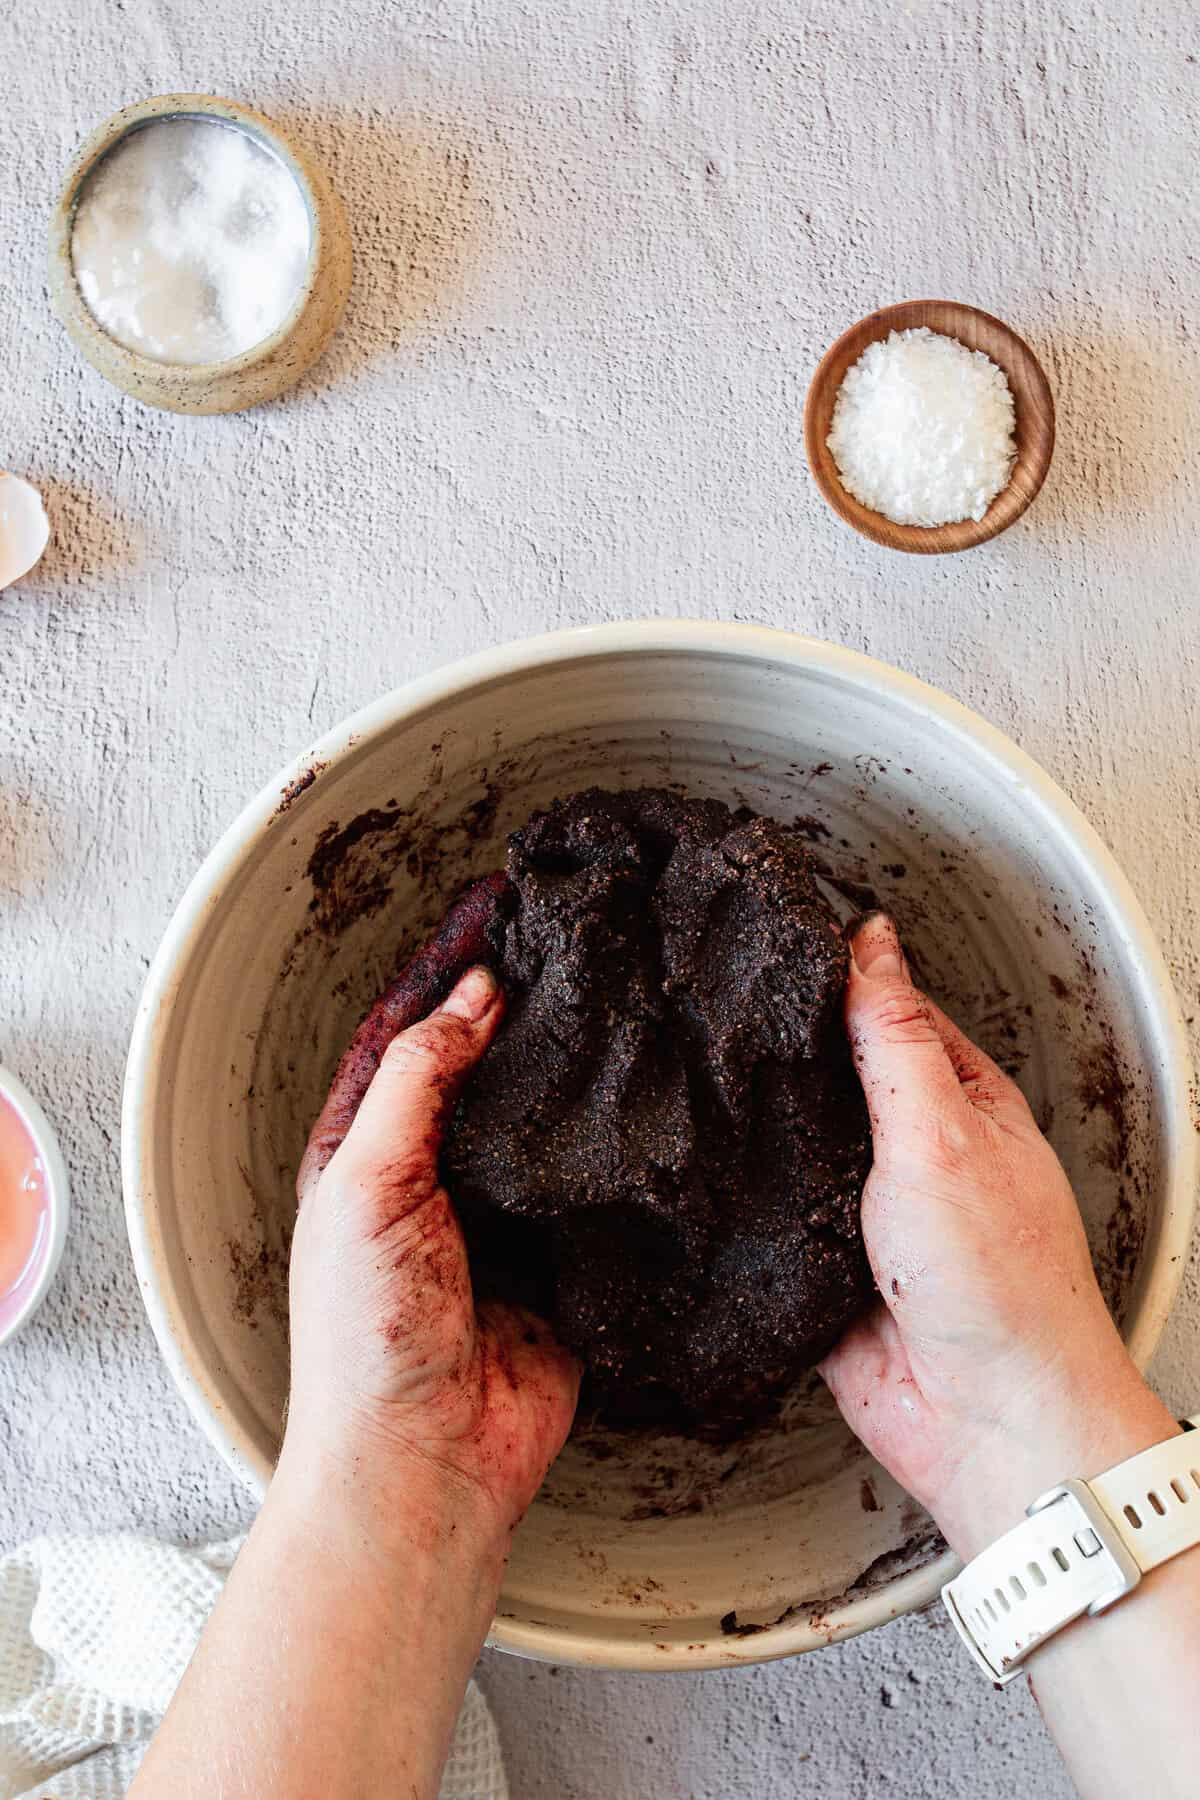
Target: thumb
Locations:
point(393, 1143)
point(898, 1051)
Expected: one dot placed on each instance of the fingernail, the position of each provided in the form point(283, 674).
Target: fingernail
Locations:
point(473, 995)
point(875, 948)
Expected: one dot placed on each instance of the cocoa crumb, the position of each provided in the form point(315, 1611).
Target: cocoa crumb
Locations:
point(294, 789)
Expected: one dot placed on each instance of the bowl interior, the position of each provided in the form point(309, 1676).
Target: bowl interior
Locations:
point(639, 1553)
point(1032, 399)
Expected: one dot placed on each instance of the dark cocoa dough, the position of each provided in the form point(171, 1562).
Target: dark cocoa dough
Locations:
point(664, 1151)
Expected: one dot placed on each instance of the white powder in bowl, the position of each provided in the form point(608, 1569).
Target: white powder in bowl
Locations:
point(190, 241)
point(922, 429)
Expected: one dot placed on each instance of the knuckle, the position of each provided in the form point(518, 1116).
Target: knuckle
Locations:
point(900, 1015)
point(987, 1091)
point(433, 1043)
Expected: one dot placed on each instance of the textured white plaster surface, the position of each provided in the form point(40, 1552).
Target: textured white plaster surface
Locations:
point(600, 249)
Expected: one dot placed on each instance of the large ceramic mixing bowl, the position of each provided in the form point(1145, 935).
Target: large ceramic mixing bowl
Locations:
point(645, 1554)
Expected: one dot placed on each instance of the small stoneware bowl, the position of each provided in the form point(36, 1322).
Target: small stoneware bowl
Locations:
point(19, 1305)
point(266, 368)
point(1034, 422)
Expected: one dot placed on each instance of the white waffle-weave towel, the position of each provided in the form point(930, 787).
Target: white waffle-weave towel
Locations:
point(95, 1634)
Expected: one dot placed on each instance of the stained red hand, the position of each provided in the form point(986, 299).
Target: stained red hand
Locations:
point(468, 935)
point(390, 1354)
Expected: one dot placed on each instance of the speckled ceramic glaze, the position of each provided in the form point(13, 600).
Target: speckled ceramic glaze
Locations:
point(267, 368)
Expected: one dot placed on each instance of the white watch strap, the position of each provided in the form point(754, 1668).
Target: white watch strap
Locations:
point(1082, 1546)
point(1154, 1498)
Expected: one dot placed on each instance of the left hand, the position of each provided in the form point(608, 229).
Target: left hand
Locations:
point(420, 1428)
point(393, 1365)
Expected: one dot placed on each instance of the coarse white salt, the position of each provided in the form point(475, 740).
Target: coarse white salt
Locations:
point(923, 429)
point(190, 242)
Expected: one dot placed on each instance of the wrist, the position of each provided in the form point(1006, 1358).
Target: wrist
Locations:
point(375, 1591)
point(390, 1514)
point(1075, 1424)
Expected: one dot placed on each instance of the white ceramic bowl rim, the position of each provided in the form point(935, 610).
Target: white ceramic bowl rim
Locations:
point(58, 1191)
point(1010, 765)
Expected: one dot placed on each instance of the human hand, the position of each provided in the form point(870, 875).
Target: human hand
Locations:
point(991, 1368)
point(420, 1427)
point(396, 1373)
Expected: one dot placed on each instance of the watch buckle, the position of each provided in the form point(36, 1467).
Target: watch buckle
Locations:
point(1098, 1542)
point(1110, 1544)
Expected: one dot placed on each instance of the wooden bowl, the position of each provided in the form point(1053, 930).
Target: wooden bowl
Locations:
point(1034, 423)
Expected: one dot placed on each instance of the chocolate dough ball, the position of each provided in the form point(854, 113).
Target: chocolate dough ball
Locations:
point(666, 1147)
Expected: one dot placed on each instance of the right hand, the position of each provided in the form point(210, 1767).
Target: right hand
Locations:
point(991, 1368)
